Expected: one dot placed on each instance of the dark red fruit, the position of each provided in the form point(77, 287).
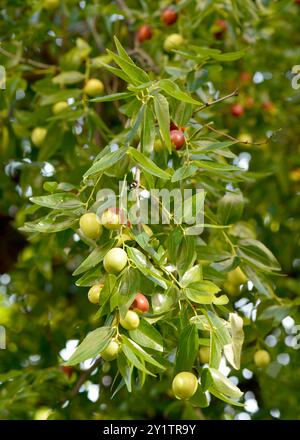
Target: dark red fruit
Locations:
point(221, 27)
point(144, 33)
point(237, 110)
point(140, 304)
point(177, 138)
point(169, 16)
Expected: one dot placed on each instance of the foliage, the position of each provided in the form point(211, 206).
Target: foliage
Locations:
point(198, 296)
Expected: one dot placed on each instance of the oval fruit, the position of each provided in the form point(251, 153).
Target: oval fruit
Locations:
point(140, 304)
point(184, 385)
point(38, 136)
point(262, 358)
point(93, 87)
point(94, 293)
point(173, 42)
point(131, 321)
point(90, 225)
point(111, 351)
point(115, 260)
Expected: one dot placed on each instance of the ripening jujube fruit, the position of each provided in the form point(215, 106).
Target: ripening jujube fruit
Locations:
point(237, 276)
point(94, 293)
point(111, 218)
point(184, 385)
point(111, 351)
point(131, 321)
point(219, 28)
point(169, 16)
point(177, 138)
point(38, 136)
point(140, 304)
point(90, 225)
point(58, 107)
point(173, 42)
point(93, 87)
point(144, 33)
point(115, 260)
point(262, 358)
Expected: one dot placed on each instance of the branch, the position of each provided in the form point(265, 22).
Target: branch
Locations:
point(84, 376)
point(28, 60)
point(233, 138)
point(126, 10)
point(144, 56)
point(208, 104)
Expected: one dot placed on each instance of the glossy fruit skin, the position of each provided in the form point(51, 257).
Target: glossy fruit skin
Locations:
point(169, 16)
point(112, 219)
point(144, 33)
point(90, 225)
point(38, 136)
point(50, 4)
point(94, 87)
point(131, 320)
point(111, 351)
point(237, 110)
point(67, 370)
point(140, 304)
point(204, 354)
point(177, 138)
point(115, 260)
point(94, 293)
point(173, 42)
point(184, 385)
point(59, 107)
point(262, 358)
point(174, 127)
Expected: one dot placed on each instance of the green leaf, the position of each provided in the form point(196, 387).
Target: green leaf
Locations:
point(216, 166)
point(230, 208)
point(233, 350)
point(172, 89)
point(92, 345)
point(199, 399)
point(135, 73)
point(258, 254)
point(202, 292)
point(147, 336)
point(147, 164)
point(142, 353)
point(221, 384)
point(146, 267)
point(184, 172)
point(70, 77)
point(161, 108)
point(58, 201)
point(94, 258)
point(229, 56)
point(148, 131)
point(133, 358)
point(50, 224)
point(188, 345)
point(191, 276)
point(106, 162)
point(113, 97)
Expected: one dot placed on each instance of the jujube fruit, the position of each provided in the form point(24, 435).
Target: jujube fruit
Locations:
point(60, 106)
point(262, 358)
point(184, 385)
point(90, 225)
point(140, 304)
point(169, 16)
point(173, 42)
point(112, 218)
point(38, 136)
point(111, 351)
point(131, 321)
point(177, 138)
point(237, 110)
point(94, 293)
point(93, 87)
point(115, 260)
point(144, 33)
point(204, 354)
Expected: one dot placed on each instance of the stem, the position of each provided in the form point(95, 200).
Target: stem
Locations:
point(208, 104)
point(28, 60)
point(84, 376)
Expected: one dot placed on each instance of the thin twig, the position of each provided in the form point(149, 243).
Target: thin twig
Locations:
point(208, 104)
point(144, 56)
point(228, 136)
point(126, 10)
point(28, 60)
